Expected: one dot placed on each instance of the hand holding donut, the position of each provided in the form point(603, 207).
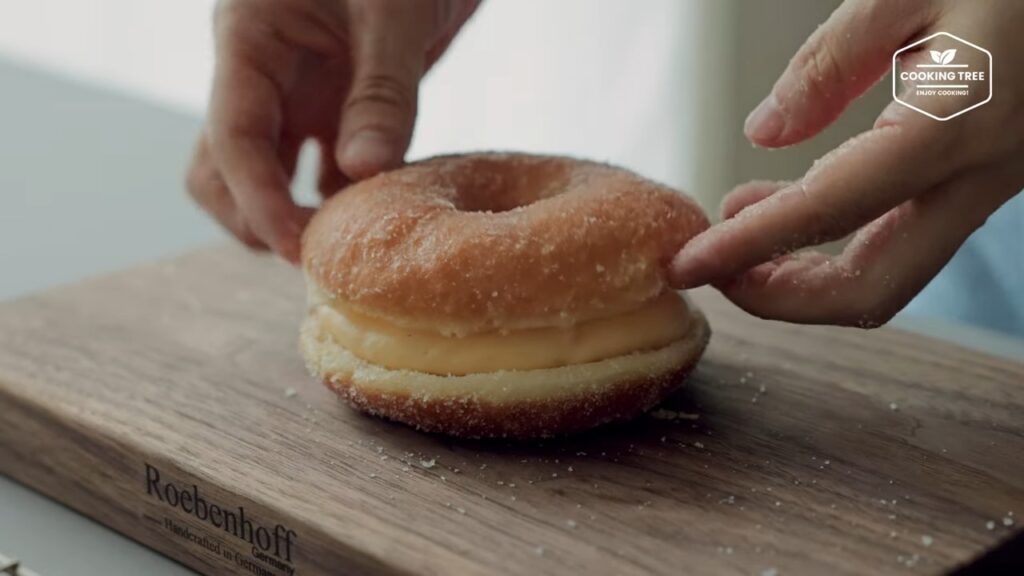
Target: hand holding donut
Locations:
point(912, 188)
point(344, 73)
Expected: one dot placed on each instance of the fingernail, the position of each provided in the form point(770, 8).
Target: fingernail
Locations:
point(765, 123)
point(367, 153)
point(686, 270)
point(289, 250)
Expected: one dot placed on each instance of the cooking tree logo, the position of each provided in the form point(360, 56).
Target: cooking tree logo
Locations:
point(942, 76)
point(271, 546)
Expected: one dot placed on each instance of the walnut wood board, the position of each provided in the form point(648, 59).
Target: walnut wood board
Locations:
point(813, 450)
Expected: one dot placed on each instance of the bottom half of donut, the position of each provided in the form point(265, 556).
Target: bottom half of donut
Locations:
point(510, 403)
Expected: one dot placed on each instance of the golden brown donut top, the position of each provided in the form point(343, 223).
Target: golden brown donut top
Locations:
point(467, 244)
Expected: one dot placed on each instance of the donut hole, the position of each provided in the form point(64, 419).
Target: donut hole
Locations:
point(498, 185)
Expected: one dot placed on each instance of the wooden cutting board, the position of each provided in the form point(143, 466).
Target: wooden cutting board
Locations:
point(170, 403)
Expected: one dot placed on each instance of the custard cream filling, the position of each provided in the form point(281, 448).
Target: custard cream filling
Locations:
point(657, 323)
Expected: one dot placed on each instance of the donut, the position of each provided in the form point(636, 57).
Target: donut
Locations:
point(500, 295)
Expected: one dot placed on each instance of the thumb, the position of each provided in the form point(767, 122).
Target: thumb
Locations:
point(838, 62)
point(388, 52)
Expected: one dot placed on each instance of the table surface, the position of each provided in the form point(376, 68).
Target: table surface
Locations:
point(87, 169)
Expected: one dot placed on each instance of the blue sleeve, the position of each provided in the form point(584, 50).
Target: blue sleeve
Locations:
point(983, 284)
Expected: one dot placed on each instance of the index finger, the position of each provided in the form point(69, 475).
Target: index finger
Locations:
point(852, 185)
point(245, 131)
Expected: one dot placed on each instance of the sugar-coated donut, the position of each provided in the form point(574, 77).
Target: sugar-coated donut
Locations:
point(501, 294)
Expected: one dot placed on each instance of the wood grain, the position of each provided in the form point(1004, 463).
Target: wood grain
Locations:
point(813, 450)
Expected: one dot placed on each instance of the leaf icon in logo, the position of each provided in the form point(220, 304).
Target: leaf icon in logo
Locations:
point(936, 56)
point(948, 56)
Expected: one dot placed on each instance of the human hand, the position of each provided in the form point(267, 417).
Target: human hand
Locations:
point(345, 73)
point(912, 188)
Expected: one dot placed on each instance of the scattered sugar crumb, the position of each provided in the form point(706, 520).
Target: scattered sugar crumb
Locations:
point(539, 550)
point(570, 523)
point(927, 540)
point(1007, 521)
point(894, 406)
point(698, 445)
point(428, 463)
point(460, 510)
point(990, 525)
point(290, 392)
